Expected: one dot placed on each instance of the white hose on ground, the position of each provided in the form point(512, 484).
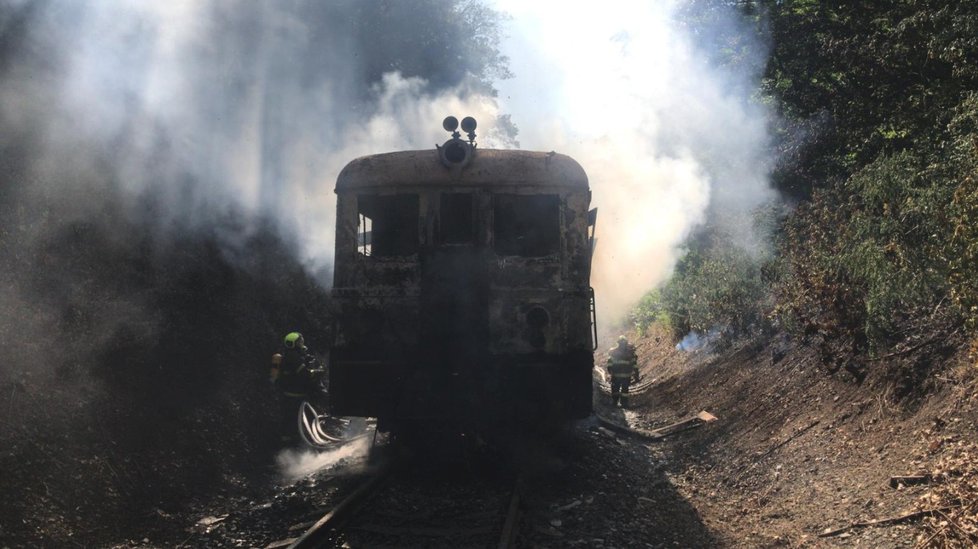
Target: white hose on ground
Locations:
point(310, 427)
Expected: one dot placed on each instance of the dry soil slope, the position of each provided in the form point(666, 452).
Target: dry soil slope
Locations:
point(797, 451)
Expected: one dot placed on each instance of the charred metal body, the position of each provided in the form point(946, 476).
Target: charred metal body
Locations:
point(462, 285)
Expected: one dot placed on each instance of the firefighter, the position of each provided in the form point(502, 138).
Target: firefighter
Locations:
point(623, 367)
point(293, 373)
point(292, 368)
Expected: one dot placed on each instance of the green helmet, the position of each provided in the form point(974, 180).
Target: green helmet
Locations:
point(622, 340)
point(293, 340)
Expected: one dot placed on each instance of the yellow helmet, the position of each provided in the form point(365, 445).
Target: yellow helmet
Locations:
point(293, 340)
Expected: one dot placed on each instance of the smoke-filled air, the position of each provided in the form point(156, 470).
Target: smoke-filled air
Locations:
point(218, 108)
point(786, 191)
point(166, 186)
point(167, 211)
point(664, 134)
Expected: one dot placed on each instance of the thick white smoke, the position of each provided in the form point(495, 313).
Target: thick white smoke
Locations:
point(216, 108)
point(406, 118)
point(296, 464)
point(220, 107)
point(664, 135)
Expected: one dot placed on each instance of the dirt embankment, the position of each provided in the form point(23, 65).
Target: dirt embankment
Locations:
point(798, 452)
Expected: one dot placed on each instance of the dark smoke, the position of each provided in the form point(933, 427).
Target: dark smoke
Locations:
point(166, 178)
point(152, 156)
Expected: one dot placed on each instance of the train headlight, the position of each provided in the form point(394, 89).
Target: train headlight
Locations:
point(455, 153)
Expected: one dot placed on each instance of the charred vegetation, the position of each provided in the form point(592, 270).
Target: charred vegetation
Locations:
point(135, 377)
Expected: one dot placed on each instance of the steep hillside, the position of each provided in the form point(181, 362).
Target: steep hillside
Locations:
point(797, 452)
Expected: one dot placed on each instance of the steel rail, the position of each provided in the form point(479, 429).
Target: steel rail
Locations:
point(640, 387)
point(318, 532)
point(507, 539)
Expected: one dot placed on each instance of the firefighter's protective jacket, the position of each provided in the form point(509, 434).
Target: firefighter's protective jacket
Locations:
point(623, 362)
point(291, 371)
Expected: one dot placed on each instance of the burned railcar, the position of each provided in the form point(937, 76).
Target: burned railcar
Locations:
point(462, 285)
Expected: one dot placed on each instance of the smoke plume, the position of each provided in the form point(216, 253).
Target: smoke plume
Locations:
point(248, 110)
point(666, 135)
point(215, 108)
point(296, 464)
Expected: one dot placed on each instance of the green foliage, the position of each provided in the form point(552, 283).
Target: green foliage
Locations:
point(961, 250)
point(857, 80)
point(716, 285)
point(650, 310)
point(877, 146)
point(879, 142)
point(864, 255)
point(446, 42)
point(894, 240)
point(877, 258)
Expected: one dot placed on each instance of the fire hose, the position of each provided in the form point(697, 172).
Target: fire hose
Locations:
point(311, 429)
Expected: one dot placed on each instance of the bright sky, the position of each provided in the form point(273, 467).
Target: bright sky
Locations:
point(591, 68)
point(619, 86)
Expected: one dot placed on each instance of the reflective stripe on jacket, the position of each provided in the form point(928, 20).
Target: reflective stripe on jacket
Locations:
point(622, 362)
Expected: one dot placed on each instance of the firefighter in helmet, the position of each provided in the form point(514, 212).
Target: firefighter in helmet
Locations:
point(623, 367)
point(294, 373)
point(293, 367)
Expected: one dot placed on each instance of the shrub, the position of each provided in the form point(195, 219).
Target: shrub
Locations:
point(892, 251)
point(717, 285)
point(649, 310)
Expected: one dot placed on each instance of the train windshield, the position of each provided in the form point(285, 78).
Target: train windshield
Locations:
point(526, 225)
point(455, 219)
point(388, 224)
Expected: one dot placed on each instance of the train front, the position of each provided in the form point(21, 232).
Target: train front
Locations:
point(462, 288)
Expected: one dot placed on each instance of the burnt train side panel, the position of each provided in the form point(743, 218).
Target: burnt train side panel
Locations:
point(462, 295)
point(376, 332)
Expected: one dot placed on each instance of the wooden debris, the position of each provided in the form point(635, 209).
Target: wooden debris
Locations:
point(684, 425)
point(909, 480)
point(432, 532)
point(209, 521)
point(569, 506)
point(281, 543)
point(549, 530)
point(886, 521)
point(611, 435)
point(302, 525)
point(207, 524)
point(930, 341)
point(662, 432)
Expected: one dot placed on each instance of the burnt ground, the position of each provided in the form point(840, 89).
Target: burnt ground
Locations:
point(795, 452)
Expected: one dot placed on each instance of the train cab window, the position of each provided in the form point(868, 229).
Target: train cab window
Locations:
point(455, 219)
point(526, 225)
point(388, 225)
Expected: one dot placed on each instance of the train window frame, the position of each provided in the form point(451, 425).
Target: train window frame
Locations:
point(386, 224)
point(456, 220)
point(526, 225)
point(364, 234)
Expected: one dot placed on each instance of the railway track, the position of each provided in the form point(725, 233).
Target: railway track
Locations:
point(400, 507)
point(604, 384)
point(692, 422)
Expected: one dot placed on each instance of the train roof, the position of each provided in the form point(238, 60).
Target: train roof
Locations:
point(487, 167)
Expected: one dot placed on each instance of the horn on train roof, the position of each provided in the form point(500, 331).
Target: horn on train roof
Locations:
point(456, 153)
